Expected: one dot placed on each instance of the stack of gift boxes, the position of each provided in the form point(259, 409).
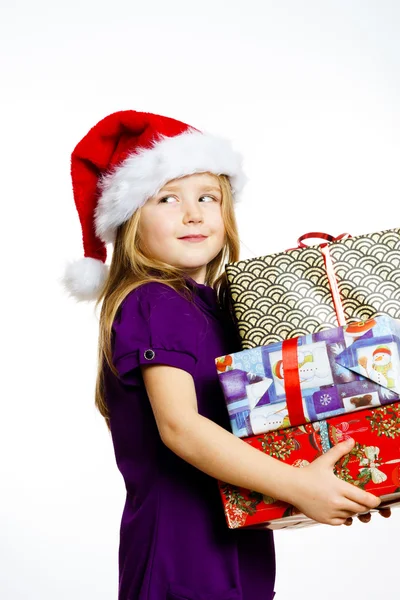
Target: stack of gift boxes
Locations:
point(295, 398)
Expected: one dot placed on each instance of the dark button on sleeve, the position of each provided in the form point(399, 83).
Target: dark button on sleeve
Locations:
point(155, 325)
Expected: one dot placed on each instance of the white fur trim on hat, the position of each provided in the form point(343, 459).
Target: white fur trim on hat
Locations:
point(84, 278)
point(144, 173)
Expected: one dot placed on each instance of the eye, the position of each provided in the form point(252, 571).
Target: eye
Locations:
point(166, 199)
point(207, 198)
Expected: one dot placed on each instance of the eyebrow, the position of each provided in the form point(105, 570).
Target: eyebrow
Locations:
point(203, 190)
point(212, 188)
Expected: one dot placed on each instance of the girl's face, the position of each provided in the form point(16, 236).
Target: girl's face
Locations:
point(182, 225)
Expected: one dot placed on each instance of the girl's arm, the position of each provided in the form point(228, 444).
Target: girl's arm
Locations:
point(314, 489)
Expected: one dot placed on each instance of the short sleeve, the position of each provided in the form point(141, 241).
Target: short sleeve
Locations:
point(154, 325)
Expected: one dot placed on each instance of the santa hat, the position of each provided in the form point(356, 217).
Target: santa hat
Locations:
point(124, 160)
point(278, 369)
point(382, 350)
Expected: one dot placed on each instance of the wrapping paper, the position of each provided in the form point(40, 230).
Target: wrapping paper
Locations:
point(309, 289)
point(313, 377)
point(373, 464)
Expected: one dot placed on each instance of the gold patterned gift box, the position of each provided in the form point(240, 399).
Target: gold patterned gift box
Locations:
point(311, 288)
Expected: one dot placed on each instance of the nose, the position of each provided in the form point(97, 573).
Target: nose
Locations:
point(192, 212)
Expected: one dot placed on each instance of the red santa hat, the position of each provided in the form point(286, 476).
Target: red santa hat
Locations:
point(382, 350)
point(278, 369)
point(124, 160)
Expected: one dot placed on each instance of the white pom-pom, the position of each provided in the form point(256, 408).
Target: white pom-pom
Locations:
point(84, 278)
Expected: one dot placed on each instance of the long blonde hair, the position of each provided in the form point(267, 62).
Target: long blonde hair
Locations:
point(130, 268)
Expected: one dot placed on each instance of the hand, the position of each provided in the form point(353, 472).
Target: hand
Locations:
point(366, 517)
point(322, 496)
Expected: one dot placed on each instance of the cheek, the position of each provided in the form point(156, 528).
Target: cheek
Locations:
point(217, 225)
point(155, 230)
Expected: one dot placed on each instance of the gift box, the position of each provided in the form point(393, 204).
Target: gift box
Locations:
point(312, 288)
point(313, 377)
point(373, 464)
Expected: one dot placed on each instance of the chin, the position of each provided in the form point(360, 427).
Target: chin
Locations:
point(191, 266)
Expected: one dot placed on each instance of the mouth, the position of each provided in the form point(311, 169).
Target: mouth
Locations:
point(193, 238)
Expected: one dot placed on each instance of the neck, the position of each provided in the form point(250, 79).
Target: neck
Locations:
point(198, 275)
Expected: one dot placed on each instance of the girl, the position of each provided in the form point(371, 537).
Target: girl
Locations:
point(163, 194)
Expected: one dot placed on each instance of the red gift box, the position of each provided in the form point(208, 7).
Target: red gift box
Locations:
point(373, 464)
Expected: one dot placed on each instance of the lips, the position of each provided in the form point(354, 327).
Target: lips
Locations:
point(194, 237)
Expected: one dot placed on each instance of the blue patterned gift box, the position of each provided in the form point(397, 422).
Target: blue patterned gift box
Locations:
point(340, 370)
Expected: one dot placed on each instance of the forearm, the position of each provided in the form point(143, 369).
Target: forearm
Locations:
point(220, 454)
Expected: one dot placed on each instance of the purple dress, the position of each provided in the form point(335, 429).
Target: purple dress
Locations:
point(174, 541)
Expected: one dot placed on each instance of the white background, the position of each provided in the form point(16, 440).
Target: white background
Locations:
point(309, 92)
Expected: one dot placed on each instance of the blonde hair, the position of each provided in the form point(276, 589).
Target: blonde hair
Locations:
point(131, 267)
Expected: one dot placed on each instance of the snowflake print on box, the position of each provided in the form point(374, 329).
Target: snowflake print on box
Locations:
point(325, 399)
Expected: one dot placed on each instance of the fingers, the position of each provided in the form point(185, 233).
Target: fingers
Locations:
point(384, 512)
point(346, 518)
point(344, 514)
point(365, 518)
point(338, 521)
point(354, 507)
point(334, 454)
point(365, 500)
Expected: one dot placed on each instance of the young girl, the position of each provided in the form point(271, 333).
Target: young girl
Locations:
point(163, 194)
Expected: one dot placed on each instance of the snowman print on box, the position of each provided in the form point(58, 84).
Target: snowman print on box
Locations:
point(377, 363)
point(314, 372)
point(313, 365)
point(376, 357)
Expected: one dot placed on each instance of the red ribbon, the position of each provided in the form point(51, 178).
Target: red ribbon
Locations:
point(330, 270)
point(333, 284)
point(294, 399)
point(319, 234)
